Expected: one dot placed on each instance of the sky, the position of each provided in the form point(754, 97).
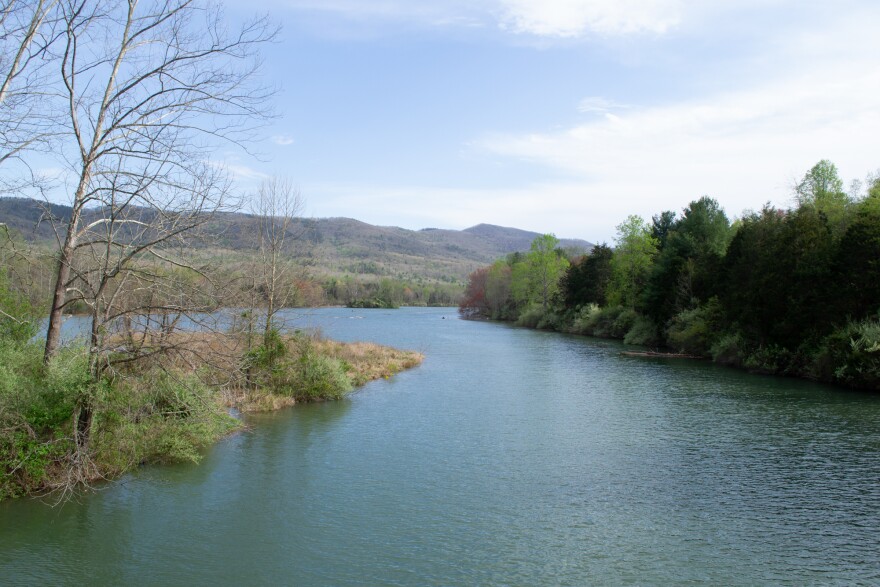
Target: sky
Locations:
point(561, 116)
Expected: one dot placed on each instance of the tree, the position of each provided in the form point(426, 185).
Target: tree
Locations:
point(635, 251)
point(474, 301)
point(822, 188)
point(131, 262)
point(497, 290)
point(27, 30)
point(821, 181)
point(685, 271)
point(150, 87)
point(276, 205)
point(661, 224)
point(586, 282)
point(778, 272)
point(536, 279)
point(857, 263)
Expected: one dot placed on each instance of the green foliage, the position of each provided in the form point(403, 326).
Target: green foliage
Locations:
point(307, 375)
point(154, 417)
point(822, 189)
point(851, 355)
point(536, 278)
point(770, 359)
point(790, 292)
point(499, 304)
point(643, 332)
point(610, 322)
point(536, 316)
point(856, 292)
point(695, 331)
point(265, 356)
point(729, 349)
point(685, 273)
point(18, 318)
point(779, 270)
point(531, 316)
point(373, 304)
point(160, 416)
point(586, 282)
point(312, 376)
point(631, 265)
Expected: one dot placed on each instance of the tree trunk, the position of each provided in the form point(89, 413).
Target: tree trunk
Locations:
point(59, 297)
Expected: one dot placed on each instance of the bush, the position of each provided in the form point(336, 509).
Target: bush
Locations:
point(695, 331)
point(851, 356)
point(535, 316)
point(18, 318)
point(729, 350)
point(643, 332)
point(156, 417)
point(316, 377)
point(530, 317)
point(623, 323)
point(583, 319)
point(307, 375)
point(771, 359)
point(36, 410)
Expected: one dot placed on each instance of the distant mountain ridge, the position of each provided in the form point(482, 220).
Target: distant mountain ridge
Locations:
point(341, 245)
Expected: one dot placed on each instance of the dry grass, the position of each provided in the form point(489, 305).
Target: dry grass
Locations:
point(368, 361)
point(218, 359)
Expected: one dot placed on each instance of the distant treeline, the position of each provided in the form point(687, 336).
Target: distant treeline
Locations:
point(783, 291)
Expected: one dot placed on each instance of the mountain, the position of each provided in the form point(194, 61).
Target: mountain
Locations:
point(337, 246)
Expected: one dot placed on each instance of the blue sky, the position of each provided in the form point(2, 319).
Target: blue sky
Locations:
point(562, 116)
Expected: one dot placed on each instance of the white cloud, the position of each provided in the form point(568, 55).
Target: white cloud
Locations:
point(543, 18)
point(283, 140)
point(743, 147)
point(574, 18)
point(438, 13)
point(597, 104)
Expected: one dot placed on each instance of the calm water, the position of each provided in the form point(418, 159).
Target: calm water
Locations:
point(510, 457)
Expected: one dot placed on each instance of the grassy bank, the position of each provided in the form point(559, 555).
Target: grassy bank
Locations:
point(164, 408)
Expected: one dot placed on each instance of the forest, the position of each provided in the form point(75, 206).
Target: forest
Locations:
point(780, 291)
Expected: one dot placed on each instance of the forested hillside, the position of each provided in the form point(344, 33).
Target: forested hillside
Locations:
point(786, 291)
point(341, 258)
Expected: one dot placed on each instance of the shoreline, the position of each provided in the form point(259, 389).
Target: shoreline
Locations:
point(168, 408)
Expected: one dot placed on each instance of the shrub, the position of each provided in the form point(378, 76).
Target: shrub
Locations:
point(694, 331)
point(314, 377)
point(851, 355)
point(771, 359)
point(730, 350)
point(531, 316)
point(159, 416)
point(308, 375)
point(623, 323)
point(583, 318)
point(643, 332)
point(536, 316)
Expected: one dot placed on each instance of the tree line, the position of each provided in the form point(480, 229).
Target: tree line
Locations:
point(791, 291)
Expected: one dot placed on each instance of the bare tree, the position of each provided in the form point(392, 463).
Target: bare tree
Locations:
point(27, 31)
point(150, 87)
point(132, 259)
point(276, 205)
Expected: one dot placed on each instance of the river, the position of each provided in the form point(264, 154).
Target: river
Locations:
point(510, 457)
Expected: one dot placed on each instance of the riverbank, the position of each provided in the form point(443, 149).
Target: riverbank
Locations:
point(848, 357)
point(164, 408)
